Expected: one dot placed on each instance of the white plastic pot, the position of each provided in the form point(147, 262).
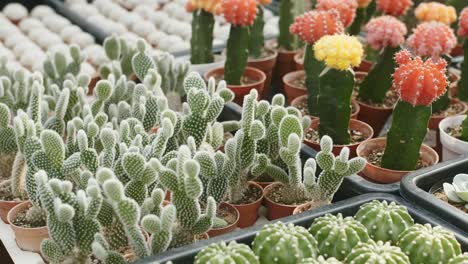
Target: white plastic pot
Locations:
point(452, 147)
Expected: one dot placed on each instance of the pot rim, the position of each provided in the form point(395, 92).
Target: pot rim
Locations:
point(356, 121)
point(298, 99)
point(259, 73)
point(237, 216)
point(270, 57)
point(10, 217)
point(298, 73)
point(423, 148)
point(373, 107)
point(259, 200)
point(268, 189)
point(452, 102)
point(445, 124)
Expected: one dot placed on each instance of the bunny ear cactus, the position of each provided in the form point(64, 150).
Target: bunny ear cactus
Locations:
point(284, 243)
point(419, 242)
point(419, 84)
point(56, 67)
point(120, 52)
point(232, 253)
point(102, 251)
point(57, 121)
point(102, 92)
point(141, 175)
point(160, 229)
point(462, 32)
point(377, 253)
point(8, 147)
point(142, 62)
point(457, 192)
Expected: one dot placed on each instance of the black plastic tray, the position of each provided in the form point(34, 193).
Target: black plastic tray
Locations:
point(347, 207)
point(416, 189)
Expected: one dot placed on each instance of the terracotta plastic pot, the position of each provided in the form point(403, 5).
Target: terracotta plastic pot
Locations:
point(299, 60)
point(299, 100)
point(453, 88)
point(291, 90)
point(382, 175)
point(365, 66)
point(308, 206)
point(28, 239)
point(266, 65)
point(284, 64)
point(5, 207)
point(276, 210)
point(452, 147)
point(263, 184)
point(457, 51)
point(354, 124)
point(242, 90)
point(248, 213)
point(92, 84)
point(220, 231)
point(376, 117)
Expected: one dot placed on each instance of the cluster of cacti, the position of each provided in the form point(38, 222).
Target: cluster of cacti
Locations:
point(57, 68)
point(120, 53)
point(394, 8)
point(457, 191)
point(434, 11)
point(346, 8)
point(412, 112)
point(386, 34)
point(462, 87)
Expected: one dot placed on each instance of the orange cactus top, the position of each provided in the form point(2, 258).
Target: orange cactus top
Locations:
point(239, 12)
point(211, 6)
point(419, 82)
point(346, 9)
point(463, 23)
point(264, 2)
point(394, 7)
point(313, 25)
point(434, 11)
point(363, 3)
point(432, 39)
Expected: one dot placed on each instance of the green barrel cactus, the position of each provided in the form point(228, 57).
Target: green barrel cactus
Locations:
point(284, 244)
point(461, 259)
point(233, 253)
point(428, 245)
point(377, 253)
point(319, 260)
point(337, 236)
point(384, 221)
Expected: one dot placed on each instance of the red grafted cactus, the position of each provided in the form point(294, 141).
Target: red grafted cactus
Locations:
point(463, 23)
point(394, 7)
point(239, 12)
point(313, 25)
point(385, 31)
point(432, 39)
point(346, 9)
point(419, 82)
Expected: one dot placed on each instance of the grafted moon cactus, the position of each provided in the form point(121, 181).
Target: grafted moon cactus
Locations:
point(319, 260)
point(384, 222)
point(462, 92)
point(239, 13)
point(346, 8)
point(432, 39)
point(393, 35)
point(377, 253)
point(461, 259)
point(394, 7)
point(337, 236)
point(428, 245)
point(232, 253)
point(434, 11)
point(463, 23)
point(284, 244)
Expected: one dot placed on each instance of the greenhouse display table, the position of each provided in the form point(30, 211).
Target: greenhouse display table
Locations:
point(17, 255)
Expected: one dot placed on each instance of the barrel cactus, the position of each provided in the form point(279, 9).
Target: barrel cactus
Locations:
point(337, 236)
point(319, 260)
point(428, 245)
point(221, 253)
point(377, 253)
point(284, 244)
point(384, 221)
point(461, 259)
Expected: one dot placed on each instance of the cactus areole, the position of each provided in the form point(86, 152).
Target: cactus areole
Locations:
point(463, 32)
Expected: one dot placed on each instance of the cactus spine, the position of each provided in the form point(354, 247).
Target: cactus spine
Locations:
point(202, 37)
point(221, 253)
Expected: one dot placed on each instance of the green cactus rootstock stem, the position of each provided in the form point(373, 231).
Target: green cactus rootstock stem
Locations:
point(370, 10)
point(409, 127)
point(355, 28)
point(286, 18)
point(375, 86)
point(442, 103)
point(257, 39)
point(458, 4)
point(462, 92)
point(464, 135)
point(237, 54)
point(313, 68)
point(334, 104)
point(202, 37)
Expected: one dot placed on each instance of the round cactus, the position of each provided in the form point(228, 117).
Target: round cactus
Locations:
point(319, 260)
point(461, 259)
point(384, 222)
point(463, 23)
point(432, 39)
point(239, 12)
point(425, 244)
point(337, 236)
point(339, 51)
point(313, 25)
point(284, 243)
point(377, 253)
point(346, 8)
point(221, 253)
point(434, 11)
point(394, 7)
point(385, 31)
point(409, 79)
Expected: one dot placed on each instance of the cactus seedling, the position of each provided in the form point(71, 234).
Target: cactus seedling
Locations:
point(377, 253)
point(419, 84)
point(232, 253)
point(394, 8)
point(462, 87)
point(284, 244)
point(346, 8)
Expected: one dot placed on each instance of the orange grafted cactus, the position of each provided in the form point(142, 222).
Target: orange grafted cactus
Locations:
point(211, 6)
point(419, 82)
point(239, 12)
point(346, 9)
point(432, 39)
point(385, 31)
point(394, 7)
point(313, 25)
point(434, 11)
point(463, 23)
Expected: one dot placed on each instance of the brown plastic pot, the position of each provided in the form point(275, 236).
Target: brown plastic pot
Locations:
point(299, 100)
point(291, 90)
point(354, 124)
point(266, 65)
point(93, 83)
point(299, 60)
point(276, 210)
point(242, 90)
point(263, 184)
point(375, 116)
point(365, 66)
point(248, 213)
point(28, 239)
point(284, 64)
point(220, 231)
point(457, 51)
point(5, 207)
point(382, 175)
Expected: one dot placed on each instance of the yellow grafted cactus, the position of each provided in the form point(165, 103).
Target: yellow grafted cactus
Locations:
point(339, 51)
point(434, 11)
point(211, 6)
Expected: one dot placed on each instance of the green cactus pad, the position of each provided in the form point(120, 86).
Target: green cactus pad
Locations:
point(233, 253)
point(377, 253)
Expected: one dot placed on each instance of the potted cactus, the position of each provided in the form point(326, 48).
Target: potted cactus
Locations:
point(239, 78)
point(389, 159)
point(454, 136)
point(462, 86)
point(336, 83)
point(376, 98)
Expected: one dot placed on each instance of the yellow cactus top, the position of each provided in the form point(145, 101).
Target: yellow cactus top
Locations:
point(339, 51)
point(211, 6)
point(434, 11)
